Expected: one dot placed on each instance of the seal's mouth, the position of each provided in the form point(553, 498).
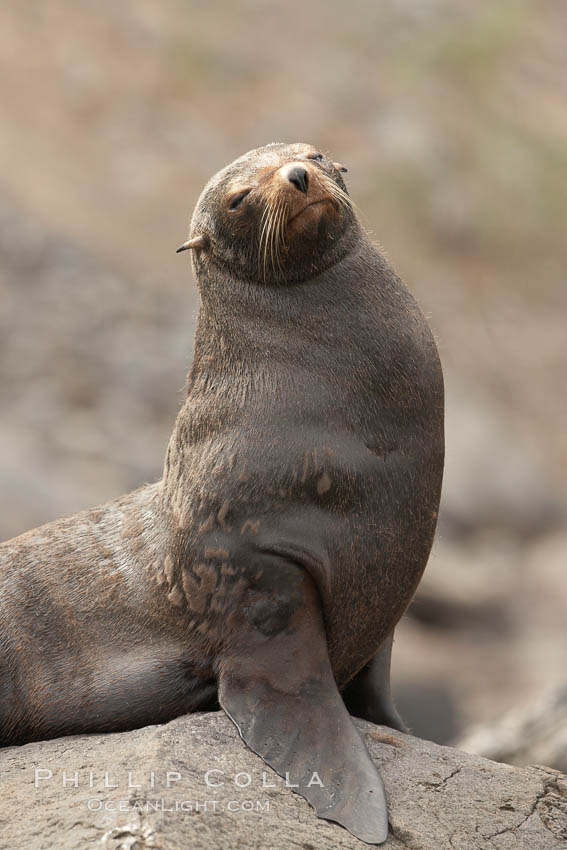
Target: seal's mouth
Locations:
point(308, 206)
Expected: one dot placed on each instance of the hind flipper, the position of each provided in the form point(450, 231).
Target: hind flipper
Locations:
point(368, 694)
point(277, 685)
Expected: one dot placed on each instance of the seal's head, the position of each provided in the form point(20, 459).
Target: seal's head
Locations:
point(279, 214)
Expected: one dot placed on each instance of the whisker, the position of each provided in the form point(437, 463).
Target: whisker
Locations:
point(337, 193)
point(280, 235)
point(283, 226)
point(274, 233)
point(263, 243)
point(266, 235)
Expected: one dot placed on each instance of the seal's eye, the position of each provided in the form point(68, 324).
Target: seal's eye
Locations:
point(237, 199)
point(317, 156)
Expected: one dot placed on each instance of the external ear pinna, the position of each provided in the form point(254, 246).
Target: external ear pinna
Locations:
point(196, 242)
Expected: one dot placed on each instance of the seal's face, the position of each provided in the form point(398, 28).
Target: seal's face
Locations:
point(278, 214)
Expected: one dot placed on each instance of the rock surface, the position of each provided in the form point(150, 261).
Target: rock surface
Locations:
point(439, 798)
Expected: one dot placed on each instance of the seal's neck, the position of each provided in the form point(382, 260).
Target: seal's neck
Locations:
point(256, 347)
point(243, 328)
point(232, 308)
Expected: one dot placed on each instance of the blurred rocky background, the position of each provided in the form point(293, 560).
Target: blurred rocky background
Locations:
point(452, 119)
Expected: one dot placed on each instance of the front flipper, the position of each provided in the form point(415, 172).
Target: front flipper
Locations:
point(277, 685)
point(368, 695)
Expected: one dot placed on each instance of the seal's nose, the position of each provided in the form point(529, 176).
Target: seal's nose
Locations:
point(299, 177)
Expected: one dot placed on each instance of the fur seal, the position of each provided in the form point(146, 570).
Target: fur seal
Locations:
point(270, 565)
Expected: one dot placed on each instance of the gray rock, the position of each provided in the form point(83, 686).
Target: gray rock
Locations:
point(534, 733)
point(439, 798)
